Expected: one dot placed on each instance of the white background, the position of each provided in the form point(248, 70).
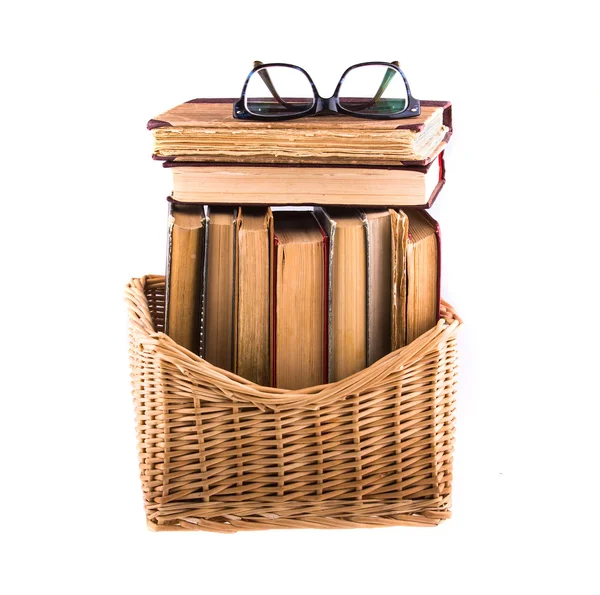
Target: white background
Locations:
point(84, 211)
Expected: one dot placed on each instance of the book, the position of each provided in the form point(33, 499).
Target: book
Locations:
point(378, 228)
point(219, 298)
point(347, 300)
point(299, 304)
point(423, 264)
point(399, 249)
point(308, 185)
point(254, 229)
point(184, 272)
point(205, 130)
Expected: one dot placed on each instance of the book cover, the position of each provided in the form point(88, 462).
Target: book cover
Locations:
point(205, 130)
point(378, 234)
point(184, 275)
point(306, 184)
point(399, 250)
point(299, 300)
point(423, 273)
point(219, 281)
point(347, 291)
point(254, 231)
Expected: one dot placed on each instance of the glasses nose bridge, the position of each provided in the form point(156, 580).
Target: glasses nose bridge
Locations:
point(327, 105)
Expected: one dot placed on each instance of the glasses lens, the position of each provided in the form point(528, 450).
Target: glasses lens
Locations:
point(278, 91)
point(375, 89)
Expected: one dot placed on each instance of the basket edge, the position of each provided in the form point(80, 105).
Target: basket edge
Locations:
point(245, 391)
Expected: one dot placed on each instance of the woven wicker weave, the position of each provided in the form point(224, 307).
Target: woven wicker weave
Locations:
point(220, 453)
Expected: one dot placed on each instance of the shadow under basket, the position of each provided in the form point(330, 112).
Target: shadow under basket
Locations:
point(220, 453)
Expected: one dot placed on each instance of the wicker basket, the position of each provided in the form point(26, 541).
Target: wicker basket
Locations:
point(220, 453)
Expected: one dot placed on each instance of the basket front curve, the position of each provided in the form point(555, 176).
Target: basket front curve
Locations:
point(218, 452)
point(229, 386)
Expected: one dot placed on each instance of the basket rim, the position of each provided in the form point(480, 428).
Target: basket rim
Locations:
point(240, 389)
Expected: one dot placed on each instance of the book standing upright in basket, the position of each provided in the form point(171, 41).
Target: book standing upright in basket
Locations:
point(254, 231)
point(299, 301)
point(219, 311)
point(185, 275)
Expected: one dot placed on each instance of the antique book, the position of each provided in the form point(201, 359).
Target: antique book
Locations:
point(254, 231)
point(299, 301)
point(347, 301)
point(378, 228)
point(307, 185)
point(219, 309)
point(205, 130)
point(399, 249)
point(422, 273)
point(184, 271)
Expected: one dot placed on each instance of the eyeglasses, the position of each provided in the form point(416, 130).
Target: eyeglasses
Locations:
point(278, 91)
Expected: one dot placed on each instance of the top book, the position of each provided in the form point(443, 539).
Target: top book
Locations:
point(204, 130)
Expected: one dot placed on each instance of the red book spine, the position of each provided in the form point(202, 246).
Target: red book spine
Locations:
point(274, 313)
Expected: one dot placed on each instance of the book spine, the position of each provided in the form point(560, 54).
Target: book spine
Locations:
point(441, 181)
point(326, 306)
point(171, 223)
point(234, 293)
point(328, 225)
point(270, 230)
point(202, 348)
point(365, 221)
point(438, 238)
point(275, 244)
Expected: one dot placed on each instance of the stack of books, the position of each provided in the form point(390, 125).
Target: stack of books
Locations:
point(302, 296)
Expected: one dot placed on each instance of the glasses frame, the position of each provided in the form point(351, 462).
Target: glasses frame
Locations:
point(326, 105)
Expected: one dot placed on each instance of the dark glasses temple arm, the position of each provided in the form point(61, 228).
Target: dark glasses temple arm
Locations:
point(264, 75)
point(389, 75)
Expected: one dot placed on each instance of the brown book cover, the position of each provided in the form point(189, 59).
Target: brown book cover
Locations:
point(347, 291)
point(422, 226)
point(254, 232)
point(220, 283)
point(205, 130)
point(301, 331)
point(399, 248)
point(380, 267)
point(306, 184)
point(438, 237)
point(184, 275)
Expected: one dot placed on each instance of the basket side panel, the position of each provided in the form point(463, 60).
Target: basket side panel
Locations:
point(445, 406)
point(155, 296)
point(146, 380)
